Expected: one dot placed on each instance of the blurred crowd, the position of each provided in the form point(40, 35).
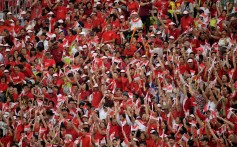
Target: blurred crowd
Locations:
point(119, 73)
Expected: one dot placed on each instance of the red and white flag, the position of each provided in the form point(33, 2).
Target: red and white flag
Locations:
point(206, 108)
point(39, 102)
point(229, 113)
point(185, 137)
point(111, 137)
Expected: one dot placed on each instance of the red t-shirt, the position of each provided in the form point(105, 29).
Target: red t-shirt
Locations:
point(48, 63)
point(17, 77)
point(97, 96)
point(36, 12)
point(132, 6)
point(72, 132)
point(108, 35)
point(151, 143)
point(186, 23)
point(85, 140)
point(61, 12)
point(3, 87)
point(57, 54)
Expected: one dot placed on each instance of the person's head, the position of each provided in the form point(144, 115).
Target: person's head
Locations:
point(223, 33)
point(60, 3)
point(166, 44)
point(232, 138)
point(71, 103)
point(85, 130)
point(134, 15)
point(185, 14)
point(154, 134)
point(226, 90)
point(17, 68)
point(51, 104)
point(65, 112)
point(224, 78)
point(142, 144)
point(122, 116)
point(26, 88)
point(190, 62)
point(114, 142)
point(171, 140)
point(204, 141)
point(109, 27)
point(51, 70)
point(223, 13)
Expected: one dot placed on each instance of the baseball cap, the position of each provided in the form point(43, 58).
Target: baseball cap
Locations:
point(60, 21)
point(134, 13)
point(121, 17)
point(190, 60)
point(55, 75)
point(50, 13)
point(172, 23)
point(159, 32)
point(171, 37)
point(185, 12)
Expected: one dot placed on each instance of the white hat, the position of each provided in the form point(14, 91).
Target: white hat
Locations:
point(66, 45)
point(23, 12)
point(55, 75)
point(29, 31)
point(83, 76)
point(98, 3)
point(82, 33)
point(122, 71)
point(158, 65)
point(172, 23)
point(153, 131)
point(96, 85)
point(84, 46)
point(134, 13)
point(6, 71)
point(121, 17)
point(190, 60)
point(11, 20)
point(2, 65)
point(85, 116)
point(171, 37)
point(50, 13)
point(60, 21)
point(192, 115)
point(2, 20)
point(9, 13)
point(50, 35)
point(152, 35)
point(159, 32)
point(8, 50)
point(93, 13)
point(159, 105)
point(185, 12)
point(104, 57)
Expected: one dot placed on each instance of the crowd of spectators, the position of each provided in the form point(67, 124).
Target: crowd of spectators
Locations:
point(119, 73)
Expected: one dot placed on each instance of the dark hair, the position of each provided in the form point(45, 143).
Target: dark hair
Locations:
point(50, 67)
point(86, 129)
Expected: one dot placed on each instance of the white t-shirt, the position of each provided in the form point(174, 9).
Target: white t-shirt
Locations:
point(206, 10)
point(102, 114)
point(137, 24)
